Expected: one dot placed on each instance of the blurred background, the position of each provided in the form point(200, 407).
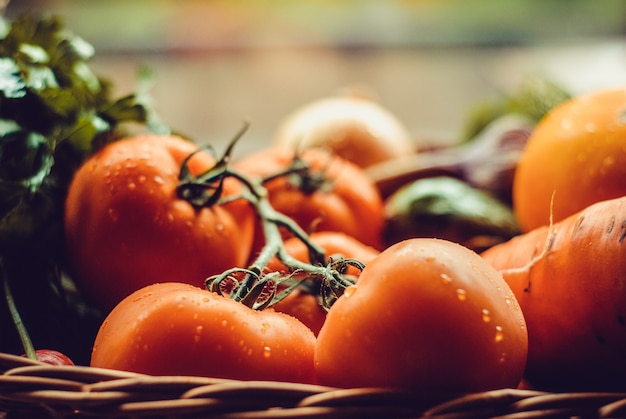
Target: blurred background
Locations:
point(429, 62)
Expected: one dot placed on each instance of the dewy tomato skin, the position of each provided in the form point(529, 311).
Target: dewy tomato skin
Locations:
point(126, 227)
point(426, 314)
point(180, 329)
point(348, 202)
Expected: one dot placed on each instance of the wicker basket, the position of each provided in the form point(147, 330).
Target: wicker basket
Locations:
point(30, 389)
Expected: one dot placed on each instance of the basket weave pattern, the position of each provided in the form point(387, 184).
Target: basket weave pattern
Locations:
point(30, 389)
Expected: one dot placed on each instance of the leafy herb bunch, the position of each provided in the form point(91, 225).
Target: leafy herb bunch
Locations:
point(54, 112)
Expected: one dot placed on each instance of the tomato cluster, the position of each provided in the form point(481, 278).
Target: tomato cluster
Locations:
point(274, 266)
point(271, 267)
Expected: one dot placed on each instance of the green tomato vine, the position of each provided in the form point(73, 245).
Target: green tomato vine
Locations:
point(252, 286)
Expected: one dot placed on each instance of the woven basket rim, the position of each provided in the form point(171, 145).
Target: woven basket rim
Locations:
point(33, 389)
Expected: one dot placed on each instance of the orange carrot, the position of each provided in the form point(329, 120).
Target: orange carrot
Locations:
point(570, 281)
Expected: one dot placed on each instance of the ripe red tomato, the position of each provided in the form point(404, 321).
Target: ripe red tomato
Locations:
point(428, 314)
point(126, 227)
point(346, 200)
point(302, 303)
point(52, 357)
point(180, 329)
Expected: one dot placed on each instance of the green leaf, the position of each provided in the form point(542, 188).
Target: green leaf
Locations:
point(25, 157)
point(83, 72)
point(11, 84)
point(7, 126)
point(39, 78)
point(82, 134)
point(33, 53)
point(126, 109)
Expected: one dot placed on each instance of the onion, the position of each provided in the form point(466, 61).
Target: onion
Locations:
point(354, 127)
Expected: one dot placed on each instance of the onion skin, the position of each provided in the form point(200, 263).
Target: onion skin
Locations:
point(356, 128)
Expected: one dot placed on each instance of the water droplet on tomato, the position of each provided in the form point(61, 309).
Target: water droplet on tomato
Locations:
point(486, 315)
point(224, 323)
point(499, 334)
point(445, 278)
point(131, 186)
point(461, 295)
point(607, 161)
point(141, 179)
point(566, 124)
point(159, 180)
point(180, 307)
point(349, 291)
point(113, 214)
point(219, 227)
point(267, 352)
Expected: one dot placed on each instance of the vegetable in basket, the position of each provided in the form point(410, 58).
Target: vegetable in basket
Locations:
point(134, 217)
point(578, 151)
point(229, 329)
point(426, 314)
point(448, 208)
point(570, 280)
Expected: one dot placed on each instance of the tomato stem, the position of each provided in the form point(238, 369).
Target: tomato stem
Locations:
point(27, 343)
point(274, 245)
point(258, 289)
point(301, 176)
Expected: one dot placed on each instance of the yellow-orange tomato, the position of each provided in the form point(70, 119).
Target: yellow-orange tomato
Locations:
point(126, 226)
point(426, 314)
point(180, 329)
point(577, 153)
